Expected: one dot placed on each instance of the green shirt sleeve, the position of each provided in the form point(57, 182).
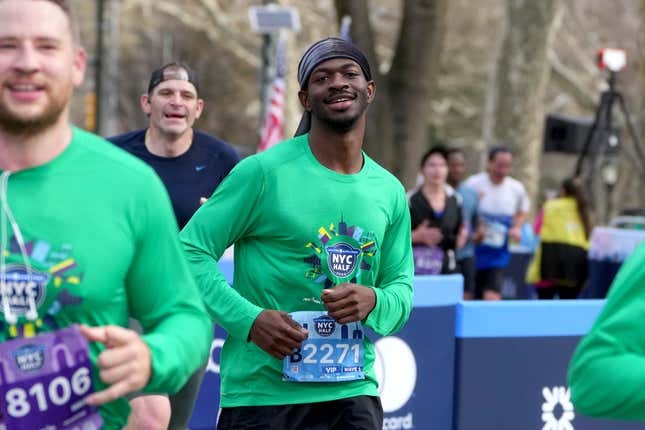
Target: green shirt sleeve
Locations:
point(205, 241)
point(162, 295)
point(394, 281)
point(607, 372)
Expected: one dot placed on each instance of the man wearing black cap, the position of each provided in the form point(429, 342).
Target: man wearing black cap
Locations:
point(322, 249)
point(191, 164)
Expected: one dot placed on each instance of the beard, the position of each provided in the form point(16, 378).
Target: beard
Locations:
point(340, 122)
point(16, 123)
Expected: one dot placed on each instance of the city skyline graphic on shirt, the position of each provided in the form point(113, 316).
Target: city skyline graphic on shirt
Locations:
point(341, 253)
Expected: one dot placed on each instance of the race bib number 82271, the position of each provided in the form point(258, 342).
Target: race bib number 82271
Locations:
point(332, 353)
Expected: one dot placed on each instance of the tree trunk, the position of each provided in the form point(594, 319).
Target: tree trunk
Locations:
point(519, 85)
point(641, 44)
point(378, 134)
point(413, 80)
point(397, 133)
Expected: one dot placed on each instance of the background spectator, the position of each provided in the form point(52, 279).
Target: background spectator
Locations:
point(436, 215)
point(503, 205)
point(559, 265)
point(470, 202)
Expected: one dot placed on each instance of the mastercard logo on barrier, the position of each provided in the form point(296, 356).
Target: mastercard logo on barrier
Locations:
point(396, 372)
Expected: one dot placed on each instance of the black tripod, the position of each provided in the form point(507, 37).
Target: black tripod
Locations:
point(602, 138)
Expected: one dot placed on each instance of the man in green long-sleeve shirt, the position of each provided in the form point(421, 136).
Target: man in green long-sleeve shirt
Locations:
point(88, 237)
point(607, 372)
point(322, 248)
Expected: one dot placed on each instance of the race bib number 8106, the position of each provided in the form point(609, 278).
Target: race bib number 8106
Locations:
point(43, 383)
point(49, 393)
point(332, 353)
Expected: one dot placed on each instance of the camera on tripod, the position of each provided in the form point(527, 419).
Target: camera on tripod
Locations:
point(612, 59)
point(600, 152)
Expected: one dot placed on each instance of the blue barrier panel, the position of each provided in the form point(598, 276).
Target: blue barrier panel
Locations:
point(511, 366)
point(526, 318)
point(432, 290)
point(415, 366)
point(601, 275)
point(207, 405)
point(226, 266)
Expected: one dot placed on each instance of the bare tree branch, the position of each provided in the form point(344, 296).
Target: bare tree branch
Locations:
point(570, 81)
point(228, 40)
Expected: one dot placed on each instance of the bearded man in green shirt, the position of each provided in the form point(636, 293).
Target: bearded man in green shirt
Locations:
point(322, 249)
point(87, 239)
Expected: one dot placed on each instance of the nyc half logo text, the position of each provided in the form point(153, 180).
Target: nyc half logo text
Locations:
point(29, 358)
point(342, 259)
point(324, 325)
point(21, 286)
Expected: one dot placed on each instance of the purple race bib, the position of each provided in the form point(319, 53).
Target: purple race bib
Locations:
point(43, 381)
point(428, 260)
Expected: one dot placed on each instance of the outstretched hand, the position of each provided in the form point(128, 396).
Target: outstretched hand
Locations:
point(277, 333)
point(125, 365)
point(348, 303)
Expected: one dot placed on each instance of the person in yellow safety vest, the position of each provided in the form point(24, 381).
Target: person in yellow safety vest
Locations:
point(560, 265)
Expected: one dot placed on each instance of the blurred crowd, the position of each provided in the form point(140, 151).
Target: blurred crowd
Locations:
point(470, 225)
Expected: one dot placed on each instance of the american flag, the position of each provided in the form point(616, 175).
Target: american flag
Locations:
point(345, 28)
point(274, 119)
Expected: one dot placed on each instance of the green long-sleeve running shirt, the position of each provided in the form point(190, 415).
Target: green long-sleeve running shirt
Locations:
point(102, 240)
point(607, 372)
point(283, 210)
